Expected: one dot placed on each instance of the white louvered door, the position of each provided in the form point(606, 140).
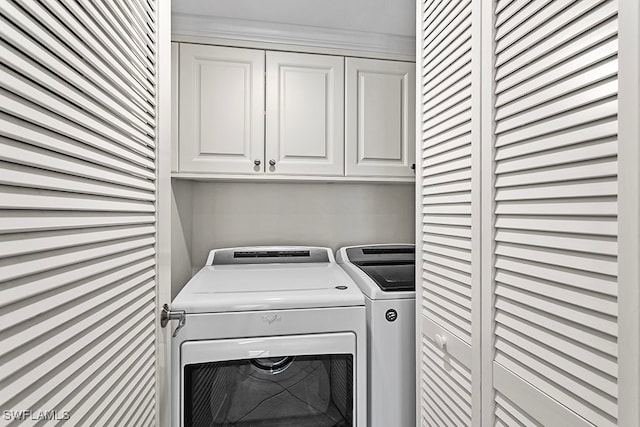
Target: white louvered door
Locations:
point(78, 212)
point(519, 213)
point(555, 163)
point(447, 234)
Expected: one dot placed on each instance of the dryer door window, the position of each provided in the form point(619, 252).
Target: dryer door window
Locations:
point(304, 390)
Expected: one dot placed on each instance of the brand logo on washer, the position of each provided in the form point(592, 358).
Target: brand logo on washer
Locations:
point(270, 318)
point(391, 315)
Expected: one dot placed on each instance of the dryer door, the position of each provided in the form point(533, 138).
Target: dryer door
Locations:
point(300, 380)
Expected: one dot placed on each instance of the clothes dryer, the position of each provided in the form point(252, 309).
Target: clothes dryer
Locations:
point(270, 336)
point(386, 276)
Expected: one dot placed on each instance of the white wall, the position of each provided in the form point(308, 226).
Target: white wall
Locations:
point(181, 230)
point(374, 16)
point(231, 214)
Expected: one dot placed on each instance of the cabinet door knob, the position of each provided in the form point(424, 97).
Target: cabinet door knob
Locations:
point(441, 341)
point(272, 162)
point(257, 162)
point(413, 166)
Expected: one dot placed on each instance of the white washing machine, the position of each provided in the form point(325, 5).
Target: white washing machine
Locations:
point(386, 276)
point(269, 336)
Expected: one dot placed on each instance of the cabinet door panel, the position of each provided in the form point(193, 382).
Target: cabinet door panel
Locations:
point(380, 97)
point(305, 114)
point(221, 109)
point(380, 100)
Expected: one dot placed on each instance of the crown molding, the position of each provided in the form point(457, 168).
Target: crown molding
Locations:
point(187, 25)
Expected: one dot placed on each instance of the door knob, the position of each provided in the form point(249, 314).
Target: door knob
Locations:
point(272, 162)
point(257, 162)
point(441, 341)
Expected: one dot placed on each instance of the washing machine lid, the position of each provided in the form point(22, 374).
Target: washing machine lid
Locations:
point(268, 278)
point(388, 269)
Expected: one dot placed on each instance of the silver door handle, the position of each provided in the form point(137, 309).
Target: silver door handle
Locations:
point(167, 314)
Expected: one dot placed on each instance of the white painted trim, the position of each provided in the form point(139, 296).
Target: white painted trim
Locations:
point(163, 212)
point(175, 105)
point(477, 206)
point(487, 152)
point(291, 178)
point(418, 211)
point(629, 214)
point(538, 405)
point(187, 25)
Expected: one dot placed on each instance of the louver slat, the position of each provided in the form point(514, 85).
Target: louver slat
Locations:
point(17, 221)
point(556, 230)
point(30, 198)
point(78, 215)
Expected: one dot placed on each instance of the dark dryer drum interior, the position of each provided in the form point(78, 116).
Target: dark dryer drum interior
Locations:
point(283, 391)
point(391, 267)
point(310, 391)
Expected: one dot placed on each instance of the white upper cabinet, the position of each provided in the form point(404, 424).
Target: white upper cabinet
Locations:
point(250, 113)
point(221, 103)
point(380, 102)
point(305, 114)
